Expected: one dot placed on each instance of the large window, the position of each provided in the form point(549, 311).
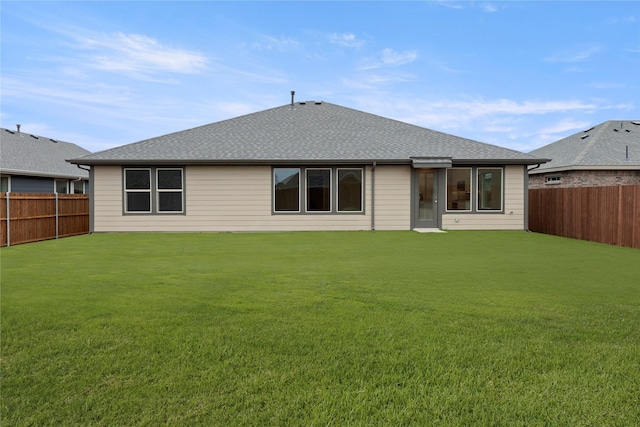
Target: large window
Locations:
point(137, 184)
point(142, 186)
point(459, 189)
point(318, 191)
point(349, 190)
point(490, 189)
point(169, 190)
point(286, 191)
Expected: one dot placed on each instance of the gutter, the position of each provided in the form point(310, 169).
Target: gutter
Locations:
point(373, 198)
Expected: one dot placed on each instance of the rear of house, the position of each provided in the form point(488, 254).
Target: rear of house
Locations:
point(37, 164)
point(308, 166)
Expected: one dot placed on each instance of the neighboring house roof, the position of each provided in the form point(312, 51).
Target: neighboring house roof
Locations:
point(25, 154)
point(311, 132)
point(611, 145)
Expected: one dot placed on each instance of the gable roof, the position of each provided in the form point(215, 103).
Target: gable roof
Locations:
point(26, 154)
point(601, 147)
point(310, 132)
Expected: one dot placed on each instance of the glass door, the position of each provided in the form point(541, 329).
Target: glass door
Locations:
point(427, 199)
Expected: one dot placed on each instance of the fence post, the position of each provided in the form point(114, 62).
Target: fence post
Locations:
point(8, 221)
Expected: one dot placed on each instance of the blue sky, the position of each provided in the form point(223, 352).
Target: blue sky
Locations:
point(519, 74)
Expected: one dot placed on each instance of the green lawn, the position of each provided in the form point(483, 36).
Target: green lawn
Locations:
point(317, 329)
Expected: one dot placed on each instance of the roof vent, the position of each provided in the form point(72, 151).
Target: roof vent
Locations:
point(34, 137)
point(18, 126)
point(615, 130)
point(293, 94)
point(10, 131)
point(318, 102)
point(53, 140)
point(636, 123)
point(302, 102)
point(584, 136)
point(591, 128)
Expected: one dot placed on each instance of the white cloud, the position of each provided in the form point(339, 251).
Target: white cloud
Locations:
point(347, 40)
point(137, 54)
point(281, 44)
point(391, 58)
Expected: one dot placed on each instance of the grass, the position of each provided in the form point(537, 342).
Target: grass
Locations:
point(370, 328)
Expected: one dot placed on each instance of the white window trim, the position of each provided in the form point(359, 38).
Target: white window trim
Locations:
point(361, 189)
point(55, 186)
point(8, 182)
point(478, 169)
point(446, 190)
point(81, 182)
point(126, 199)
point(273, 190)
point(169, 190)
point(553, 180)
point(306, 190)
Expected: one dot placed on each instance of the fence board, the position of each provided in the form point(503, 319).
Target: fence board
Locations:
point(35, 217)
point(598, 214)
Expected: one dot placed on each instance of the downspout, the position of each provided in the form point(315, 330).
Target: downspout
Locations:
point(90, 193)
point(373, 198)
point(526, 196)
point(8, 220)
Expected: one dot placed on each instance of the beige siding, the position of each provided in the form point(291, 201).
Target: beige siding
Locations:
point(238, 198)
point(514, 208)
point(393, 198)
point(218, 198)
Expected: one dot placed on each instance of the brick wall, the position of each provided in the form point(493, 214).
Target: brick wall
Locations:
point(585, 178)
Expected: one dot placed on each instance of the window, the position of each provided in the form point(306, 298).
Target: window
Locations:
point(490, 189)
point(169, 190)
point(318, 190)
point(154, 190)
point(458, 189)
point(137, 184)
point(320, 194)
point(286, 192)
point(62, 186)
point(349, 190)
point(78, 187)
point(553, 179)
point(4, 184)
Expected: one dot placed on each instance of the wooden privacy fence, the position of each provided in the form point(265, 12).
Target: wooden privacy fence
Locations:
point(598, 214)
point(26, 217)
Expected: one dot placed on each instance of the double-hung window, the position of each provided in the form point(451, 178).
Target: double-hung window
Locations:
point(319, 190)
point(154, 190)
point(169, 187)
point(137, 185)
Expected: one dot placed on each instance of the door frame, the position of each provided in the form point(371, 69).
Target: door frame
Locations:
point(439, 202)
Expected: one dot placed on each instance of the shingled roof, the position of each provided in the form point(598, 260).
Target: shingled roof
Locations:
point(26, 154)
point(306, 132)
point(613, 144)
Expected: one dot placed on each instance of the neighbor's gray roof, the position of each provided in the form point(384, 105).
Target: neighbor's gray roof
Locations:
point(600, 147)
point(26, 154)
point(311, 132)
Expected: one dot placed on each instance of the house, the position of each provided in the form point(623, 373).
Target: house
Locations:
point(604, 155)
point(37, 164)
point(307, 166)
